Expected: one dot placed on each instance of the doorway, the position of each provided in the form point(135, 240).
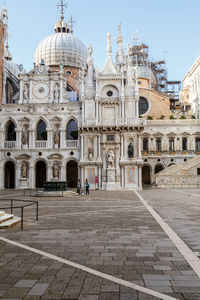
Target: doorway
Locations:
point(40, 174)
point(9, 175)
point(72, 174)
point(146, 175)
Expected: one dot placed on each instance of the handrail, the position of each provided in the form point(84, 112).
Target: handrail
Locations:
point(11, 207)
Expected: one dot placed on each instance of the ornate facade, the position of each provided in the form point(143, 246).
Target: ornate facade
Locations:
point(66, 120)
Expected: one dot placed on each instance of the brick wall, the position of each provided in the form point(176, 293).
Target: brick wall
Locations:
point(1, 58)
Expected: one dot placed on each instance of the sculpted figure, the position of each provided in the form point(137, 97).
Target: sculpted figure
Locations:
point(25, 138)
point(130, 150)
point(56, 171)
point(56, 92)
point(110, 159)
point(24, 171)
point(26, 92)
point(56, 138)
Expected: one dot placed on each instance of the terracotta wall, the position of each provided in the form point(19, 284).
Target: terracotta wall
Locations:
point(1, 58)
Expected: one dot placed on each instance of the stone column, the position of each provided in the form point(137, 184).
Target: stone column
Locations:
point(30, 91)
point(140, 177)
point(99, 146)
point(122, 176)
point(18, 138)
point(63, 173)
point(32, 139)
point(139, 145)
point(122, 146)
point(17, 175)
point(99, 174)
point(32, 183)
point(49, 138)
point(62, 138)
point(1, 177)
point(82, 145)
point(82, 177)
point(21, 100)
point(1, 138)
point(61, 89)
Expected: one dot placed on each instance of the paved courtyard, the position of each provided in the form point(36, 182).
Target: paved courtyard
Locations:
point(107, 246)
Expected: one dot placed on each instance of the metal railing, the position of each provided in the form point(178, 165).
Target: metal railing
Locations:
point(21, 207)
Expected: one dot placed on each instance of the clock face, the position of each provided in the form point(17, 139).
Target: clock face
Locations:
point(41, 90)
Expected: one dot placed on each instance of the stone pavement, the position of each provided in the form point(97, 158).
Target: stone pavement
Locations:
point(111, 232)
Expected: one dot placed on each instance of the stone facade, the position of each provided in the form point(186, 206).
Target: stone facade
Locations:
point(1, 57)
point(65, 120)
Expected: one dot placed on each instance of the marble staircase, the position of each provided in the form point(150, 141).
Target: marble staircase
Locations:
point(8, 220)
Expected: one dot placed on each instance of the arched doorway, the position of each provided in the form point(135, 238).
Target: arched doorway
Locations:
point(40, 174)
point(158, 168)
point(72, 174)
point(146, 175)
point(9, 175)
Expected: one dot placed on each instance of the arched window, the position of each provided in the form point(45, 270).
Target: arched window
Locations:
point(10, 132)
point(41, 131)
point(171, 144)
point(184, 144)
point(72, 130)
point(143, 106)
point(145, 144)
point(158, 144)
point(197, 144)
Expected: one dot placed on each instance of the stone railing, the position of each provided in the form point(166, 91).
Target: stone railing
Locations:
point(41, 144)
point(71, 143)
point(10, 144)
point(113, 122)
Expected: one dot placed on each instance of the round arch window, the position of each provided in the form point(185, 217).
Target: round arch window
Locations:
point(109, 93)
point(143, 106)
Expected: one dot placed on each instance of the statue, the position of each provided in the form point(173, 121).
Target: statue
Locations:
point(110, 159)
point(24, 171)
point(56, 92)
point(90, 50)
point(130, 150)
point(56, 138)
point(26, 92)
point(25, 138)
point(56, 171)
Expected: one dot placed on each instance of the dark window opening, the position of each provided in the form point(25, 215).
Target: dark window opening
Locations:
point(143, 106)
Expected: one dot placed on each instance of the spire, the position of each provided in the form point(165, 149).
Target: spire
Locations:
point(120, 54)
point(109, 47)
point(4, 17)
point(72, 22)
point(109, 67)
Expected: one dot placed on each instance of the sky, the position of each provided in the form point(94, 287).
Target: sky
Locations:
point(170, 28)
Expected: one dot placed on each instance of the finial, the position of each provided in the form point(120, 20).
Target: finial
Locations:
point(109, 47)
point(72, 22)
point(90, 50)
point(119, 38)
point(62, 5)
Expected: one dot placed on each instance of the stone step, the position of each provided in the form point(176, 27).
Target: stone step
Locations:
point(2, 213)
point(10, 223)
point(5, 217)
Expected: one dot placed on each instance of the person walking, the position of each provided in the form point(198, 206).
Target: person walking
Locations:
point(87, 186)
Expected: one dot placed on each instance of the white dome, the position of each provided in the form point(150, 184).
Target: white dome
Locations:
point(61, 47)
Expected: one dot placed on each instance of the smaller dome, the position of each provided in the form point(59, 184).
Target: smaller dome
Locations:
point(12, 67)
point(147, 73)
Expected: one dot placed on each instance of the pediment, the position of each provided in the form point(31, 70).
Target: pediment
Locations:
point(55, 156)
point(23, 157)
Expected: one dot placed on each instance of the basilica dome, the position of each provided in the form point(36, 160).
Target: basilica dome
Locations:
point(61, 47)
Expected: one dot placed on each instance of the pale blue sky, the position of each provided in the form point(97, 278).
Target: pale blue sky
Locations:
point(170, 28)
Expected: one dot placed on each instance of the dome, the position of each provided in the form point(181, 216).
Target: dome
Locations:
point(147, 73)
point(61, 47)
point(12, 67)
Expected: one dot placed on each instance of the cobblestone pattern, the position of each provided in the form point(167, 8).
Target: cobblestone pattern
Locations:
point(110, 232)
